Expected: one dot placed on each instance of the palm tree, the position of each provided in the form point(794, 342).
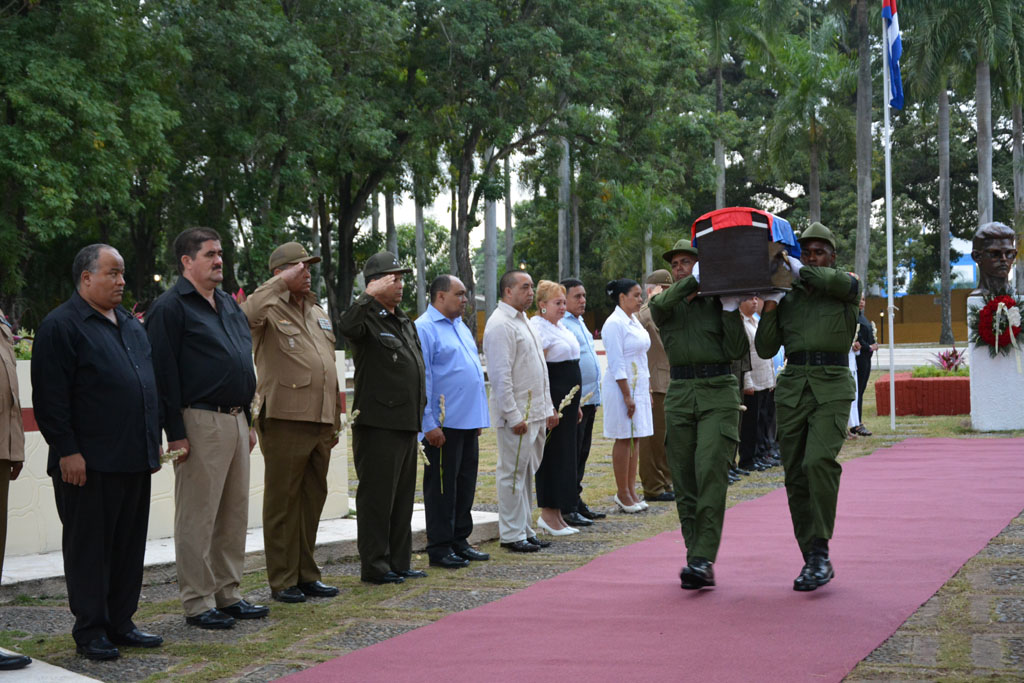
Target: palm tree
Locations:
point(813, 80)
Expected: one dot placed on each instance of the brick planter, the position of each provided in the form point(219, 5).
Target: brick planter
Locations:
point(925, 395)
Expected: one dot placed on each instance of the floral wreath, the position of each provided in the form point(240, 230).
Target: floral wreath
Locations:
point(996, 324)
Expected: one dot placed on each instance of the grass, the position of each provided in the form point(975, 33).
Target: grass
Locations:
point(297, 636)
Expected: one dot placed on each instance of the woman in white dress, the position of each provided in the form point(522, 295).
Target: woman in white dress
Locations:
point(626, 387)
point(556, 476)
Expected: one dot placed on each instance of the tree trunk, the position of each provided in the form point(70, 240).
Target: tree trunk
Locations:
point(463, 262)
point(864, 142)
point(983, 101)
point(575, 235)
point(389, 224)
point(813, 185)
point(421, 259)
point(327, 256)
point(648, 252)
point(1018, 190)
point(453, 233)
point(374, 215)
point(509, 239)
point(490, 250)
point(946, 334)
point(564, 242)
point(719, 146)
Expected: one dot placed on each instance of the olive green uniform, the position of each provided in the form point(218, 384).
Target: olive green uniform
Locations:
point(812, 401)
point(701, 413)
point(390, 395)
point(297, 416)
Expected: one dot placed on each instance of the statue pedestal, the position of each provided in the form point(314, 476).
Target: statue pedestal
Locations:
point(997, 389)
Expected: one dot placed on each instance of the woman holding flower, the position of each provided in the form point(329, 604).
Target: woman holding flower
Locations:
point(627, 410)
point(556, 476)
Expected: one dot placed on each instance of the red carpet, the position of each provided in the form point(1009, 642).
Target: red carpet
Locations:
point(909, 517)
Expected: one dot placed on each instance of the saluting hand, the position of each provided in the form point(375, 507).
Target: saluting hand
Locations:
point(72, 469)
point(381, 284)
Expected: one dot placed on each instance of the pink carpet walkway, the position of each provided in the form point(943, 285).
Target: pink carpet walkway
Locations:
point(909, 517)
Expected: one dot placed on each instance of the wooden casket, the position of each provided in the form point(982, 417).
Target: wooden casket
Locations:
point(741, 251)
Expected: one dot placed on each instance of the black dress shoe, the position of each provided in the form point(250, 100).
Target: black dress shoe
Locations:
point(588, 513)
point(211, 619)
point(741, 471)
point(293, 594)
point(862, 430)
point(390, 577)
point(411, 574)
point(816, 573)
point(245, 610)
point(472, 554)
point(137, 638)
point(98, 648)
point(521, 547)
point(12, 662)
point(663, 497)
point(576, 519)
point(450, 561)
point(697, 574)
point(533, 540)
point(317, 589)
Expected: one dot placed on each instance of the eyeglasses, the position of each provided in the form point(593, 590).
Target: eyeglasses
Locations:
point(1007, 254)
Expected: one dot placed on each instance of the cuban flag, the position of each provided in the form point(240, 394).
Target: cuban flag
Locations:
point(895, 47)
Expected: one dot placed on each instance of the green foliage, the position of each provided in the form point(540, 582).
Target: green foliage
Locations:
point(934, 371)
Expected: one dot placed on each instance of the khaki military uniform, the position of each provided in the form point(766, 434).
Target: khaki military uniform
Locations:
point(701, 408)
point(655, 474)
point(816, 322)
point(390, 395)
point(12, 434)
point(298, 410)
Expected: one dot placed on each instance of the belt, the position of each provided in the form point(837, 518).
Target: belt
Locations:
point(699, 370)
point(230, 410)
point(818, 358)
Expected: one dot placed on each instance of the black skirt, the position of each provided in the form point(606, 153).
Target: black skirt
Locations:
point(556, 476)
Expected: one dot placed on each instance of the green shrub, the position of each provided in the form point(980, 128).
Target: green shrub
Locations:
point(934, 371)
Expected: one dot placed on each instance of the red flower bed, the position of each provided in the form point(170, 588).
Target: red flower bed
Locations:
point(925, 395)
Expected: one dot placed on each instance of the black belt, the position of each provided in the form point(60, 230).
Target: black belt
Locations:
point(699, 370)
point(230, 410)
point(818, 358)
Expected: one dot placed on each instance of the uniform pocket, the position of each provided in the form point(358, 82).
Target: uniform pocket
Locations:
point(293, 395)
point(288, 336)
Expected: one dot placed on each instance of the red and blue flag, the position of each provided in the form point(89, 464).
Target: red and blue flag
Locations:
point(895, 48)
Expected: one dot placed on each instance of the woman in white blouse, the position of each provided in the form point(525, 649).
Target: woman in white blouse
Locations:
point(626, 387)
point(556, 476)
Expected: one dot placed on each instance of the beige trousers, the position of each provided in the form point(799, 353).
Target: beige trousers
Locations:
point(655, 474)
point(5, 482)
point(211, 510)
point(515, 509)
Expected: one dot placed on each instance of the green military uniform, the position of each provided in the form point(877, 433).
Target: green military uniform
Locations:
point(390, 395)
point(815, 321)
point(701, 410)
point(298, 414)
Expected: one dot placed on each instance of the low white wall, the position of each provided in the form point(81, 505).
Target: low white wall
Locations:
point(32, 522)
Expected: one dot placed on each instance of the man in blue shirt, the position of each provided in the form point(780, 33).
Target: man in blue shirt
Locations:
point(576, 304)
point(456, 412)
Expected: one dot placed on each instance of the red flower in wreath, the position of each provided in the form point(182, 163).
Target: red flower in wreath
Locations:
point(986, 316)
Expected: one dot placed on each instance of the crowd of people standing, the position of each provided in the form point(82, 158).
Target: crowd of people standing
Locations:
point(691, 402)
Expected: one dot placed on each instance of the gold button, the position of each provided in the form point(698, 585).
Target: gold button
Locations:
point(293, 386)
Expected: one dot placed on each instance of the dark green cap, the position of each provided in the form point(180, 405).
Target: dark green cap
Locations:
point(817, 231)
point(382, 263)
point(681, 246)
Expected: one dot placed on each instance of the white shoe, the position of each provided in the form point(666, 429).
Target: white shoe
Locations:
point(626, 508)
point(567, 531)
point(643, 504)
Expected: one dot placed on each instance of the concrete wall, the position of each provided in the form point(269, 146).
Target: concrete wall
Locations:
point(32, 522)
point(918, 317)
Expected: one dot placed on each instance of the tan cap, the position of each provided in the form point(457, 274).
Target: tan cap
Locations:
point(660, 277)
point(289, 253)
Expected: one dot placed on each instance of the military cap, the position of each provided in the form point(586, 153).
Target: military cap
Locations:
point(382, 263)
point(660, 277)
point(817, 231)
point(681, 246)
point(289, 253)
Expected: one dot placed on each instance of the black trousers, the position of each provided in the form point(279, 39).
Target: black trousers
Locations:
point(104, 544)
point(449, 509)
point(584, 435)
point(385, 461)
point(863, 374)
point(766, 444)
point(556, 478)
point(752, 427)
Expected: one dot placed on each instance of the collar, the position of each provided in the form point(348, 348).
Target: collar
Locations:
point(84, 310)
point(436, 316)
point(621, 314)
point(510, 310)
point(184, 286)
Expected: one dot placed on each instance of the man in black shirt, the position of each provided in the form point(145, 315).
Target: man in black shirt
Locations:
point(95, 401)
point(202, 352)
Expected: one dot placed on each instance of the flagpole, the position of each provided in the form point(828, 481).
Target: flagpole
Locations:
point(888, 225)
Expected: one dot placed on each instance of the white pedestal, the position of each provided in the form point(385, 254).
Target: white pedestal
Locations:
point(997, 389)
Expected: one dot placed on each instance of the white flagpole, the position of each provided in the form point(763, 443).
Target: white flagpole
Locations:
point(888, 225)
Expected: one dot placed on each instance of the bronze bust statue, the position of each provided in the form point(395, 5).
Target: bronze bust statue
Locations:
point(994, 250)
